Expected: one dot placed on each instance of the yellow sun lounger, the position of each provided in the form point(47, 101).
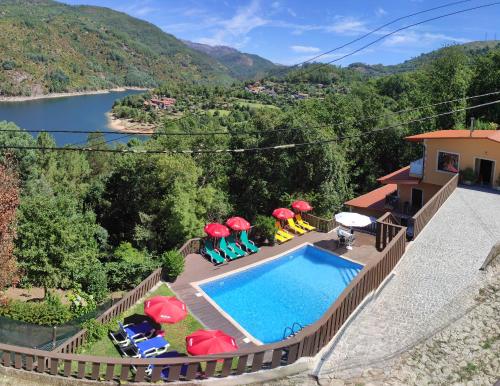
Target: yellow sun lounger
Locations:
point(280, 238)
point(283, 233)
point(304, 224)
point(294, 227)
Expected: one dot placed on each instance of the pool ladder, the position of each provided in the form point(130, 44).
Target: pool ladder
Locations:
point(292, 330)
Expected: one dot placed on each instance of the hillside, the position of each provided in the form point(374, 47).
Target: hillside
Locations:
point(240, 65)
point(472, 49)
point(60, 48)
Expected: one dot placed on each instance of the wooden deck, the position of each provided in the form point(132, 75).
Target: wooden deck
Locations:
point(198, 268)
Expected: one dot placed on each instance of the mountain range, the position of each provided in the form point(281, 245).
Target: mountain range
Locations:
point(48, 47)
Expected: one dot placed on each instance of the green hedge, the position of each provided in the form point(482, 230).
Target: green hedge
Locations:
point(46, 313)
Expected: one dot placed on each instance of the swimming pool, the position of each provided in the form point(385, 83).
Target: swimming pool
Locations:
point(296, 287)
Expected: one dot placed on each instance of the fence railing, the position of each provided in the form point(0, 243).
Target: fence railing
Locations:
point(423, 216)
point(308, 342)
point(321, 224)
point(387, 227)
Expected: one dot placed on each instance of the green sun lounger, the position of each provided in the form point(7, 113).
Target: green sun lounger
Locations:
point(227, 251)
point(210, 251)
point(231, 241)
point(249, 245)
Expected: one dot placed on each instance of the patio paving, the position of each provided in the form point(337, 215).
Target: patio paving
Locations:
point(198, 268)
point(435, 282)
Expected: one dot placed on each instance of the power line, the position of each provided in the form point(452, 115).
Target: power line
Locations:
point(236, 133)
point(254, 149)
point(378, 29)
point(399, 30)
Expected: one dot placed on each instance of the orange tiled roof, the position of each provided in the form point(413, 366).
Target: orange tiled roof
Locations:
point(401, 176)
point(374, 199)
point(493, 135)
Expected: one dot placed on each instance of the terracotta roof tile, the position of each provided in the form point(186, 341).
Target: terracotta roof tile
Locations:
point(401, 176)
point(374, 199)
point(493, 135)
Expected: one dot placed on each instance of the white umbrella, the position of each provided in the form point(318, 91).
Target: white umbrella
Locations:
point(350, 219)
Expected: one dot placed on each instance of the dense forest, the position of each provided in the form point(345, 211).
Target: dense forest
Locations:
point(102, 221)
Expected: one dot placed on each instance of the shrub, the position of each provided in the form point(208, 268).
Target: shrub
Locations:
point(96, 283)
point(95, 330)
point(468, 175)
point(265, 228)
point(81, 303)
point(8, 65)
point(58, 81)
point(172, 263)
point(128, 267)
point(50, 312)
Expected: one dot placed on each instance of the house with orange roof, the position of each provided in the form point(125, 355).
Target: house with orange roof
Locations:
point(446, 153)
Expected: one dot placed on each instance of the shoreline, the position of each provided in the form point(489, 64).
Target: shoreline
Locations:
point(13, 99)
point(126, 126)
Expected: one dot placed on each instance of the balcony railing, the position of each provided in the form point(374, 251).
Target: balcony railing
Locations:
point(402, 208)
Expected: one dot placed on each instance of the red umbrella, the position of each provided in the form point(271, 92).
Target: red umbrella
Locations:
point(165, 309)
point(208, 342)
point(302, 206)
point(217, 230)
point(238, 224)
point(283, 213)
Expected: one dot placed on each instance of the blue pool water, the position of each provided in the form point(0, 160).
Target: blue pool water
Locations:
point(297, 287)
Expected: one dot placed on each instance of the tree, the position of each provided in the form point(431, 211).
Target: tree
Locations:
point(56, 244)
point(9, 201)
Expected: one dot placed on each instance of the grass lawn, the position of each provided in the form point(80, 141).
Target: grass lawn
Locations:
point(255, 105)
point(222, 113)
point(174, 333)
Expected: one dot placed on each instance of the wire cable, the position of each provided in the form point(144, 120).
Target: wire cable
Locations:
point(376, 30)
point(399, 30)
point(254, 149)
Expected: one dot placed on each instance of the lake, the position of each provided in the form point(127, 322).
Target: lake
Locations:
point(81, 113)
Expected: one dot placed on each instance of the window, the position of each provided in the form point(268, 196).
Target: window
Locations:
point(448, 162)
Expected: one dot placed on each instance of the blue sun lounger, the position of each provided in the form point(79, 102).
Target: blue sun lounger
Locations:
point(248, 244)
point(227, 251)
point(138, 332)
point(147, 348)
point(212, 253)
point(231, 241)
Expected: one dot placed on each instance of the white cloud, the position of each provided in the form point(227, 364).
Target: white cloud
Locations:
point(421, 39)
point(234, 31)
point(347, 26)
point(304, 49)
point(380, 12)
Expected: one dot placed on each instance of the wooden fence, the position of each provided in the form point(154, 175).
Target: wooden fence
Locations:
point(321, 224)
point(423, 216)
point(387, 228)
point(78, 340)
point(306, 343)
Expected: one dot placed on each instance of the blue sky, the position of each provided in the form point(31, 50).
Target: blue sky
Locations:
point(290, 31)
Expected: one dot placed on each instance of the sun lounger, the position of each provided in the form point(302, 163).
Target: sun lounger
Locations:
point(283, 233)
point(280, 238)
point(138, 332)
point(166, 370)
point(231, 241)
point(147, 348)
point(248, 244)
point(227, 251)
point(304, 224)
point(212, 253)
point(292, 226)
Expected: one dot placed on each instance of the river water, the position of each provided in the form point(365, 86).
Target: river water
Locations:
point(82, 112)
